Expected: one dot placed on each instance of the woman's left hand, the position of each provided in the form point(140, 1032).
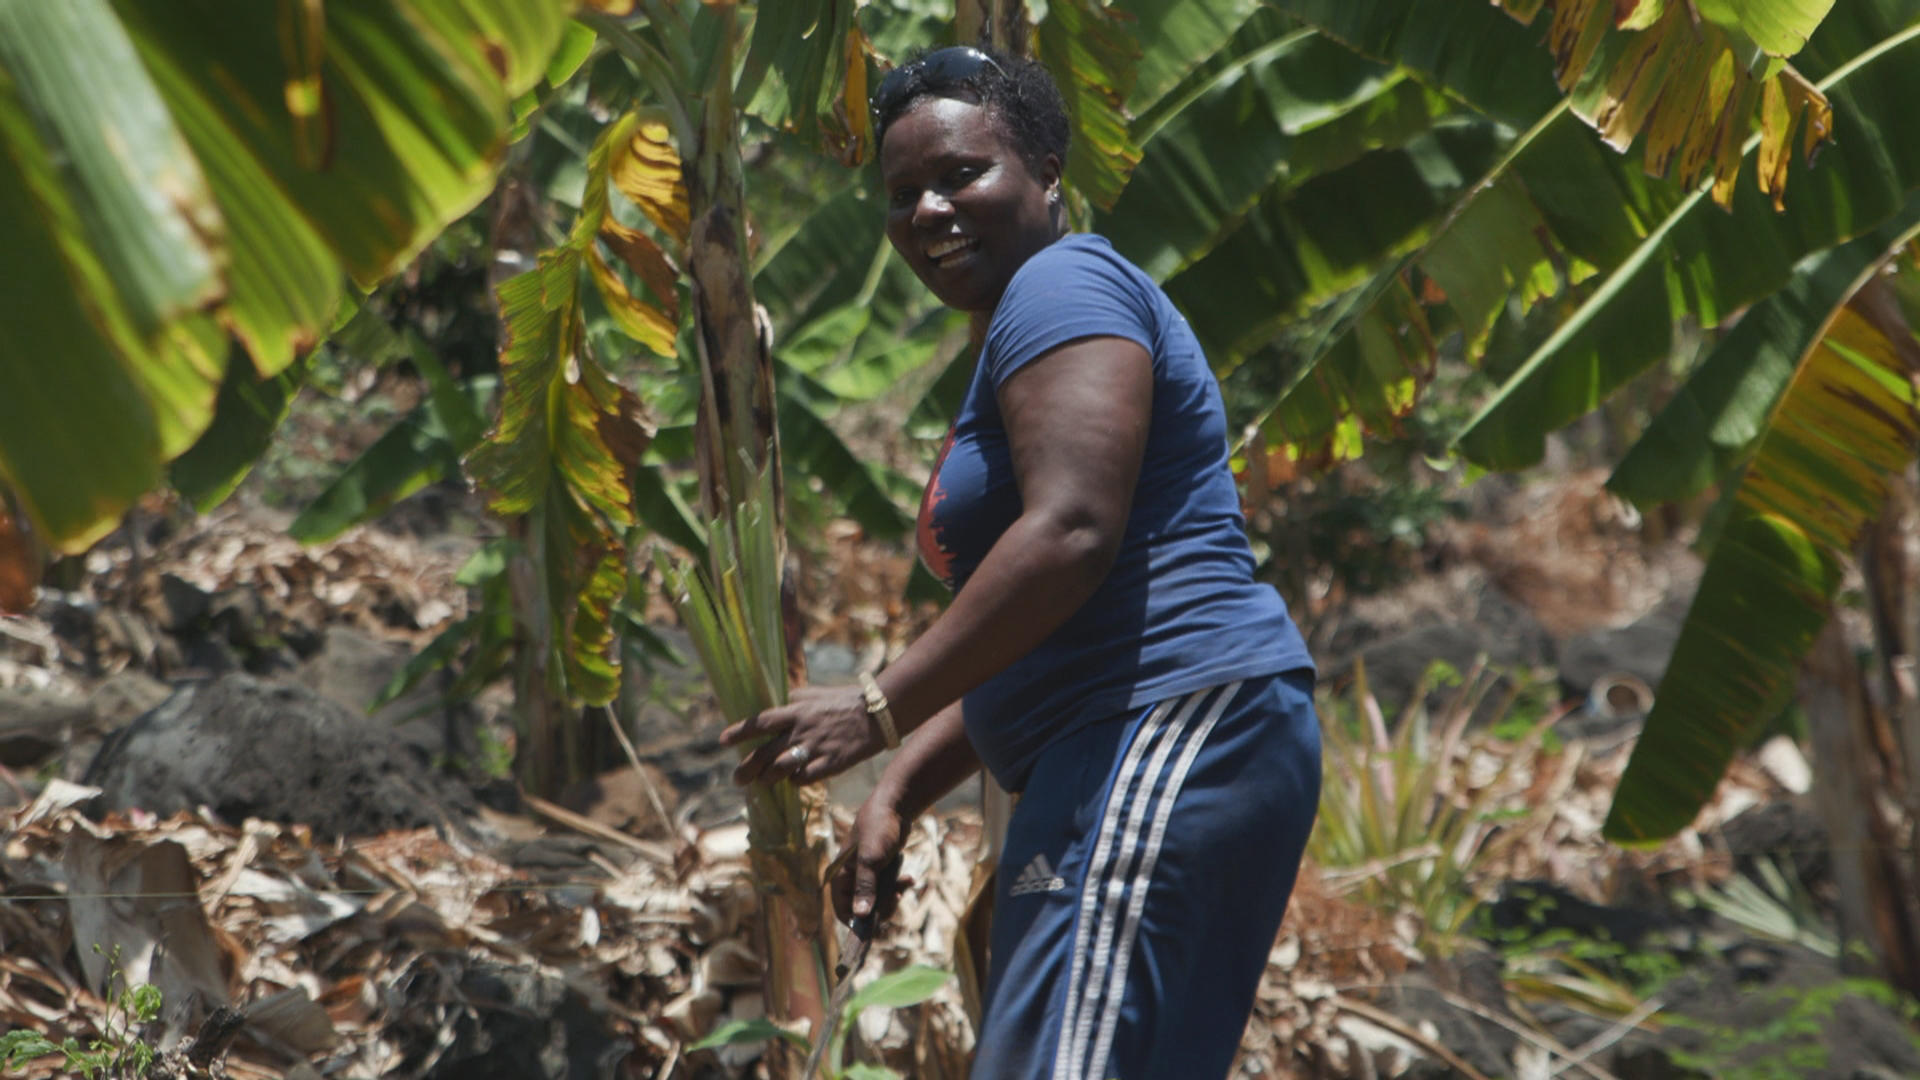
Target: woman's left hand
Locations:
point(819, 732)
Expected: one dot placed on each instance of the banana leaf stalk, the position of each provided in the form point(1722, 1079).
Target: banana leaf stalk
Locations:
point(731, 609)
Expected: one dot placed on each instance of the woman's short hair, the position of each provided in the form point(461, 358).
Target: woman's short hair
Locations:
point(1018, 93)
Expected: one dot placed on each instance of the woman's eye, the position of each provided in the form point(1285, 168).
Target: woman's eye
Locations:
point(903, 197)
point(962, 176)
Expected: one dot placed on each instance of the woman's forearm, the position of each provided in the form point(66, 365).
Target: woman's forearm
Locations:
point(929, 765)
point(1037, 574)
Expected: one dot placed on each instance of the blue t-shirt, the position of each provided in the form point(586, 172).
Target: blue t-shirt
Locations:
point(1179, 610)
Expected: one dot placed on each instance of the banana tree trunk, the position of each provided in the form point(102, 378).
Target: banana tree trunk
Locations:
point(736, 440)
point(1003, 23)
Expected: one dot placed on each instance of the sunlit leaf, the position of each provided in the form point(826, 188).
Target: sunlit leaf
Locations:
point(1093, 54)
point(1297, 106)
point(1711, 422)
point(186, 171)
point(141, 203)
point(759, 1029)
point(899, 989)
point(110, 272)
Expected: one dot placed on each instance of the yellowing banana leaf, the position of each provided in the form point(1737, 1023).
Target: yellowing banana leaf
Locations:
point(1846, 423)
point(564, 452)
point(635, 155)
point(1689, 79)
point(1695, 259)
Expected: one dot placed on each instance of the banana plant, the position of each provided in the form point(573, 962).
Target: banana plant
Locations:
point(565, 455)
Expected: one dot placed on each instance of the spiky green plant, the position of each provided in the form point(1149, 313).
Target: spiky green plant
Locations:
point(731, 609)
point(1399, 816)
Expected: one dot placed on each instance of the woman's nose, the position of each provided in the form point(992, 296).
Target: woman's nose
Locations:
point(931, 207)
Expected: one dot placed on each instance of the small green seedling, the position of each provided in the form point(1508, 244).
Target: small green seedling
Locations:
point(116, 1053)
point(895, 990)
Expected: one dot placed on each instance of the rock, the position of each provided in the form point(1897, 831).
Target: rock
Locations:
point(179, 606)
point(121, 697)
point(1788, 832)
point(511, 1023)
point(1527, 909)
point(247, 748)
point(352, 669)
point(1456, 619)
point(36, 725)
point(1418, 1000)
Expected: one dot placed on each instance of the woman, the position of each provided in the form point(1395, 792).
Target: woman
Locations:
point(1107, 653)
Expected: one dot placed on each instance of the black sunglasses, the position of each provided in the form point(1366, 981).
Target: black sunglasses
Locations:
point(939, 68)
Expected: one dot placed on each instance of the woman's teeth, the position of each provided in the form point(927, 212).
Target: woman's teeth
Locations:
point(945, 248)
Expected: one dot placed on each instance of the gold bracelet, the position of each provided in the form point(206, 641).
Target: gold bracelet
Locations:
point(878, 708)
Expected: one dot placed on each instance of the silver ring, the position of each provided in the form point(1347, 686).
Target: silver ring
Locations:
point(796, 754)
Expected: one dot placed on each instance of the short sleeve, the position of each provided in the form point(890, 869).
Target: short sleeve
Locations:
point(1074, 289)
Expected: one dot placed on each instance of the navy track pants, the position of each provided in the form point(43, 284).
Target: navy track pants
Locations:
point(1146, 870)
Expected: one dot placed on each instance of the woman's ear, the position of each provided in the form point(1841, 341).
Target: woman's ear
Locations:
point(1050, 173)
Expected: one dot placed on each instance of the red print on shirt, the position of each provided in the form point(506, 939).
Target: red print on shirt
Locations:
point(933, 551)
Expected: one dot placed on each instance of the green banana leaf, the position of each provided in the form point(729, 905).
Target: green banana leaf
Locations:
point(812, 450)
point(1846, 424)
point(810, 48)
point(1293, 107)
point(1697, 259)
point(245, 416)
point(1299, 248)
point(1709, 425)
point(1176, 36)
point(423, 447)
point(174, 174)
point(1094, 58)
point(1473, 51)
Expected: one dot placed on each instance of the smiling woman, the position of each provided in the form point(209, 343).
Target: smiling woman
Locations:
point(1107, 654)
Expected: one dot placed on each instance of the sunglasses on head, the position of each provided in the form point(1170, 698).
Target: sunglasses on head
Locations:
point(936, 70)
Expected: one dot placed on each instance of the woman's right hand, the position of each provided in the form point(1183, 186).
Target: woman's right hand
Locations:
point(867, 879)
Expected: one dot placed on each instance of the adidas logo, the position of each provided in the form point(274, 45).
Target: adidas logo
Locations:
point(1037, 877)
